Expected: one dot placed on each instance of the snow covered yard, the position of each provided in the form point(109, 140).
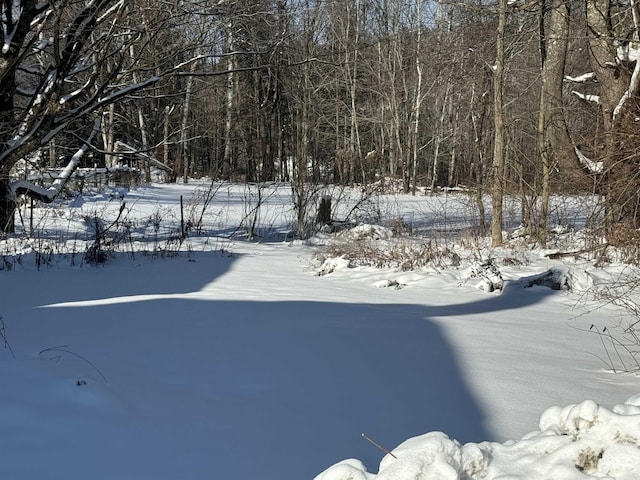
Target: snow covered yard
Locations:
point(236, 360)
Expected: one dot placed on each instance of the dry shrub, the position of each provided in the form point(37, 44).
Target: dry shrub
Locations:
point(620, 339)
point(512, 262)
point(403, 255)
point(627, 242)
point(622, 235)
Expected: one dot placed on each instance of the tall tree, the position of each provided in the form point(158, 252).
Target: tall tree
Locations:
point(555, 146)
point(497, 190)
point(614, 34)
point(54, 76)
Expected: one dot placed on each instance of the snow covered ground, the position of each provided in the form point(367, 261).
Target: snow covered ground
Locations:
point(236, 360)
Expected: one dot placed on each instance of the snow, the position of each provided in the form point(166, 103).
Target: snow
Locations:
point(6, 22)
point(634, 82)
point(628, 52)
point(581, 78)
point(588, 98)
point(593, 167)
point(236, 359)
point(582, 440)
point(363, 231)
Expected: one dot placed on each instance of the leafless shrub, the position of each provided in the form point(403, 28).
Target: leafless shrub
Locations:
point(620, 340)
point(6, 263)
point(253, 225)
point(512, 262)
point(57, 352)
point(198, 205)
point(401, 254)
point(627, 243)
point(487, 275)
point(588, 459)
point(106, 238)
point(400, 227)
point(620, 347)
point(43, 254)
point(348, 206)
point(472, 238)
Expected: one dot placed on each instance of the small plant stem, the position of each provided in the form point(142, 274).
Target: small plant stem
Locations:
point(3, 336)
point(615, 349)
point(373, 442)
point(182, 232)
point(64, 349)
point(606, 350)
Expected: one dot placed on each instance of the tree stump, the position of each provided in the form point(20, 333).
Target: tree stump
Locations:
point(323, 216)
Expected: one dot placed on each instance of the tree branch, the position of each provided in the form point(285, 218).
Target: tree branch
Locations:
point(23, 187)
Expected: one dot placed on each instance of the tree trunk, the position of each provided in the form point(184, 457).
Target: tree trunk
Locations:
point(352, 58)
point(618, 98)
point(229, 105)
point(108, 137)
point(165, 137)
point(498, 145)
point(417, 106)
point(141, 124)
point(184, 125)
point(7, 207)
point(554, 145)
point(439, 136)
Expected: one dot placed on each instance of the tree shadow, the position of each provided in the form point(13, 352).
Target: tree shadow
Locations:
point(251, 389)
point(514, 295)
point(239, 389)
point(128, 276)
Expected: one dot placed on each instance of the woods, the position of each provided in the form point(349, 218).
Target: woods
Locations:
point(525, 98)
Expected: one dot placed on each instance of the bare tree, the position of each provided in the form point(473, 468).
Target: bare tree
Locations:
point(554, 144)
point(497, 190)
point(613, 36)
point(62, 63)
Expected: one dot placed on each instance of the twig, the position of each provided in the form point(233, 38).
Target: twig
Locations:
point(3, 335)
point(208, 198)
point(633, 355)
point(615, 349)
point(373, 442)
point(64, 349)
point(606, 350)
point(556, 255)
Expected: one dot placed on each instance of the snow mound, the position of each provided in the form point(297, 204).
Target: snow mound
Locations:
point(367, 231)
point(330, 265)
point(389, 284)
point(349, 469)
point(579, 441)
point(556, 278)
point(486, 275)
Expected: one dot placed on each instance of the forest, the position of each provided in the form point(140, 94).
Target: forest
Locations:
point(251, 239)
point(518, 97)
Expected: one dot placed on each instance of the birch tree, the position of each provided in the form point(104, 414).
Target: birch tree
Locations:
point(497, 190)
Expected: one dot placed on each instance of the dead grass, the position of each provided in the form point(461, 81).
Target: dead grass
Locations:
point(400, 254)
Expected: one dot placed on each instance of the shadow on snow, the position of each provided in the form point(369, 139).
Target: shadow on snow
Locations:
point(240, 389)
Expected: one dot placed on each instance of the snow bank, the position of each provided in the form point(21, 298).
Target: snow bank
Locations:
point(487, 276)
point(556, 278)
point(330, 265)
point(367, 231)
point(578, 441)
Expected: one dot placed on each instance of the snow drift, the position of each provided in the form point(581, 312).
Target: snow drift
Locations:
point(579, 441)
